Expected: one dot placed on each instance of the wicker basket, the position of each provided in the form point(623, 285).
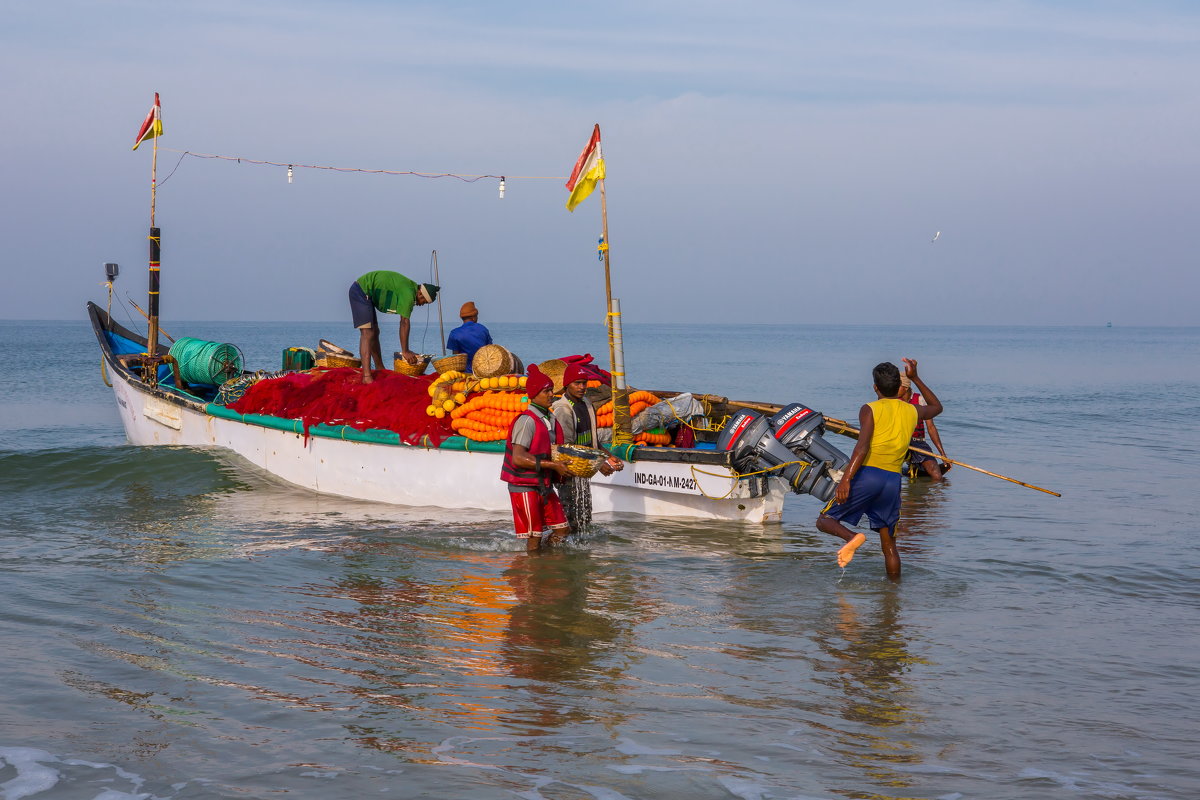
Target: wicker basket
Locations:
point(454, 363)
point(554, 369)
point(330, 356)
point(405, 368)
point(582, 462)
point(492, 361)
point(326, 346)
point(328, 361)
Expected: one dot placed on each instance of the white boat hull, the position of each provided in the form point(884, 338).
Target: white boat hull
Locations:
point(417, 476)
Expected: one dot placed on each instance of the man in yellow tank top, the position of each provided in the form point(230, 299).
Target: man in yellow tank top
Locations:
point(871, 482)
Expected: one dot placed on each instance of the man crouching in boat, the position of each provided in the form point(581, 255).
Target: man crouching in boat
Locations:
point(577, 419)
point(529, 469)
point(871, 482)
point(391, 293)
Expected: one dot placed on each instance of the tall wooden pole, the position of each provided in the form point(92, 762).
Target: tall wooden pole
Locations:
point(622, 425)
point(437, 279)
point(155, 261)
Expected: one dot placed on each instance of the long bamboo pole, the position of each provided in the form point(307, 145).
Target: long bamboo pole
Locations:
point(141, 311)
point(437, 279)
point(846, 429)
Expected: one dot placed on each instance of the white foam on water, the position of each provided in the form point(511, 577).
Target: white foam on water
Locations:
point(32, 777)
point(638, 769)
point(1083, 784)
point(631, 748)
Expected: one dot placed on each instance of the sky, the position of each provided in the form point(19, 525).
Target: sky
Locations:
point(768, 162)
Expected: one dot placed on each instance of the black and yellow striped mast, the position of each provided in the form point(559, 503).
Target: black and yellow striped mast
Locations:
point(152, 129)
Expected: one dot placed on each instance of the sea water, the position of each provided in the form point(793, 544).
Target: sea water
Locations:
point(177, 624)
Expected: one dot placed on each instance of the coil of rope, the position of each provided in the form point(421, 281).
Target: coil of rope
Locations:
point(204, 362)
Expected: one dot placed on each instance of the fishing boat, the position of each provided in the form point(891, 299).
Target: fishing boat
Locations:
point(741, 473)
point(740, 469)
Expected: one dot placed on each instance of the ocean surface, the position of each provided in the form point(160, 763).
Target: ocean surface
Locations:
point(178, 625)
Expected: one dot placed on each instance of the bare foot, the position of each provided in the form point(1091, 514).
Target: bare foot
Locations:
point(368, 378)
point(846, 553)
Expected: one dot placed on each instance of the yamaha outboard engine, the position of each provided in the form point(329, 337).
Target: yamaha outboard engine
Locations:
point(755, 442)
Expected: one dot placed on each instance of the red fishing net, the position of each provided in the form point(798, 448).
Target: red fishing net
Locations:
point(393, 402)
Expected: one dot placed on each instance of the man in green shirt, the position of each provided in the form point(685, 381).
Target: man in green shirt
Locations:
point(391, 293)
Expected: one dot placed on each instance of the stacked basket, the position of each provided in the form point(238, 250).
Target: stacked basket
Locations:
point(493, 360)
point(329, 355)
point(554, 369)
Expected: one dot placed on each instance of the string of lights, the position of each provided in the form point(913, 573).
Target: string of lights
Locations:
point(465, 178)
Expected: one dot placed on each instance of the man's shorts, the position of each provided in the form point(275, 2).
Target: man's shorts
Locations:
point(874, 492)
point(362, 310)
point(919, 458)
point(534, 514)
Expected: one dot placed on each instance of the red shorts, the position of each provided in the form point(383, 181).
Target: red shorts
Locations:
point(533, 514)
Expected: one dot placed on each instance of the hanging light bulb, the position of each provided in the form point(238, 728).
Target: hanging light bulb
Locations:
point(501, 187)
point(289, 173)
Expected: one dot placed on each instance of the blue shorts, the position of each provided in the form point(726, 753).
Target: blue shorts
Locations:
point(362, 310)
point(919, 458)
point(874, 492)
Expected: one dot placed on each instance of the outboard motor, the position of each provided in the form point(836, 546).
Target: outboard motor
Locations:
point(755, 442)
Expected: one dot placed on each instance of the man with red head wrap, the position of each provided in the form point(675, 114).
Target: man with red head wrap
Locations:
point(577, 418)
point(529, 469)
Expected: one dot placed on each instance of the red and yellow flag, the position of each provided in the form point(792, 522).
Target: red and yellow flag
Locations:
point(151, 126)
point(589, 168)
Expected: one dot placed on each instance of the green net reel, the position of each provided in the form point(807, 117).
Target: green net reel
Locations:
point(210, 363)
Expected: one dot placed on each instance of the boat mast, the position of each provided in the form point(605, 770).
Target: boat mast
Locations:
point(622, 425)
point(155, 256)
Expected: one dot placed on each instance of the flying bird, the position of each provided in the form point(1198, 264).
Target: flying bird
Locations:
point(935, 237)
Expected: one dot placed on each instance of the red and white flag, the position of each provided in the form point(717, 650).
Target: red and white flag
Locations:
point(151, 126)
point(589, 168)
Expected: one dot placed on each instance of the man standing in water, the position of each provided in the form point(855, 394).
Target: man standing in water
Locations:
point(577, 419)
point(391, 293)
point(529, 470)
point(871, 482)
point(919, 462)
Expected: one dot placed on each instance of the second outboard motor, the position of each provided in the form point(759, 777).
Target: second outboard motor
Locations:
point(794, 434)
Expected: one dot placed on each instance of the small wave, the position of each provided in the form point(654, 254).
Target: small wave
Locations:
point(102, 468)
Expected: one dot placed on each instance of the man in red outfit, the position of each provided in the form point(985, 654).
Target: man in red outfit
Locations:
point(529, 470)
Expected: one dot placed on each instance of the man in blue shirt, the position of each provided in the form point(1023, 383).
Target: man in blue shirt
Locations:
point(470, 336)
